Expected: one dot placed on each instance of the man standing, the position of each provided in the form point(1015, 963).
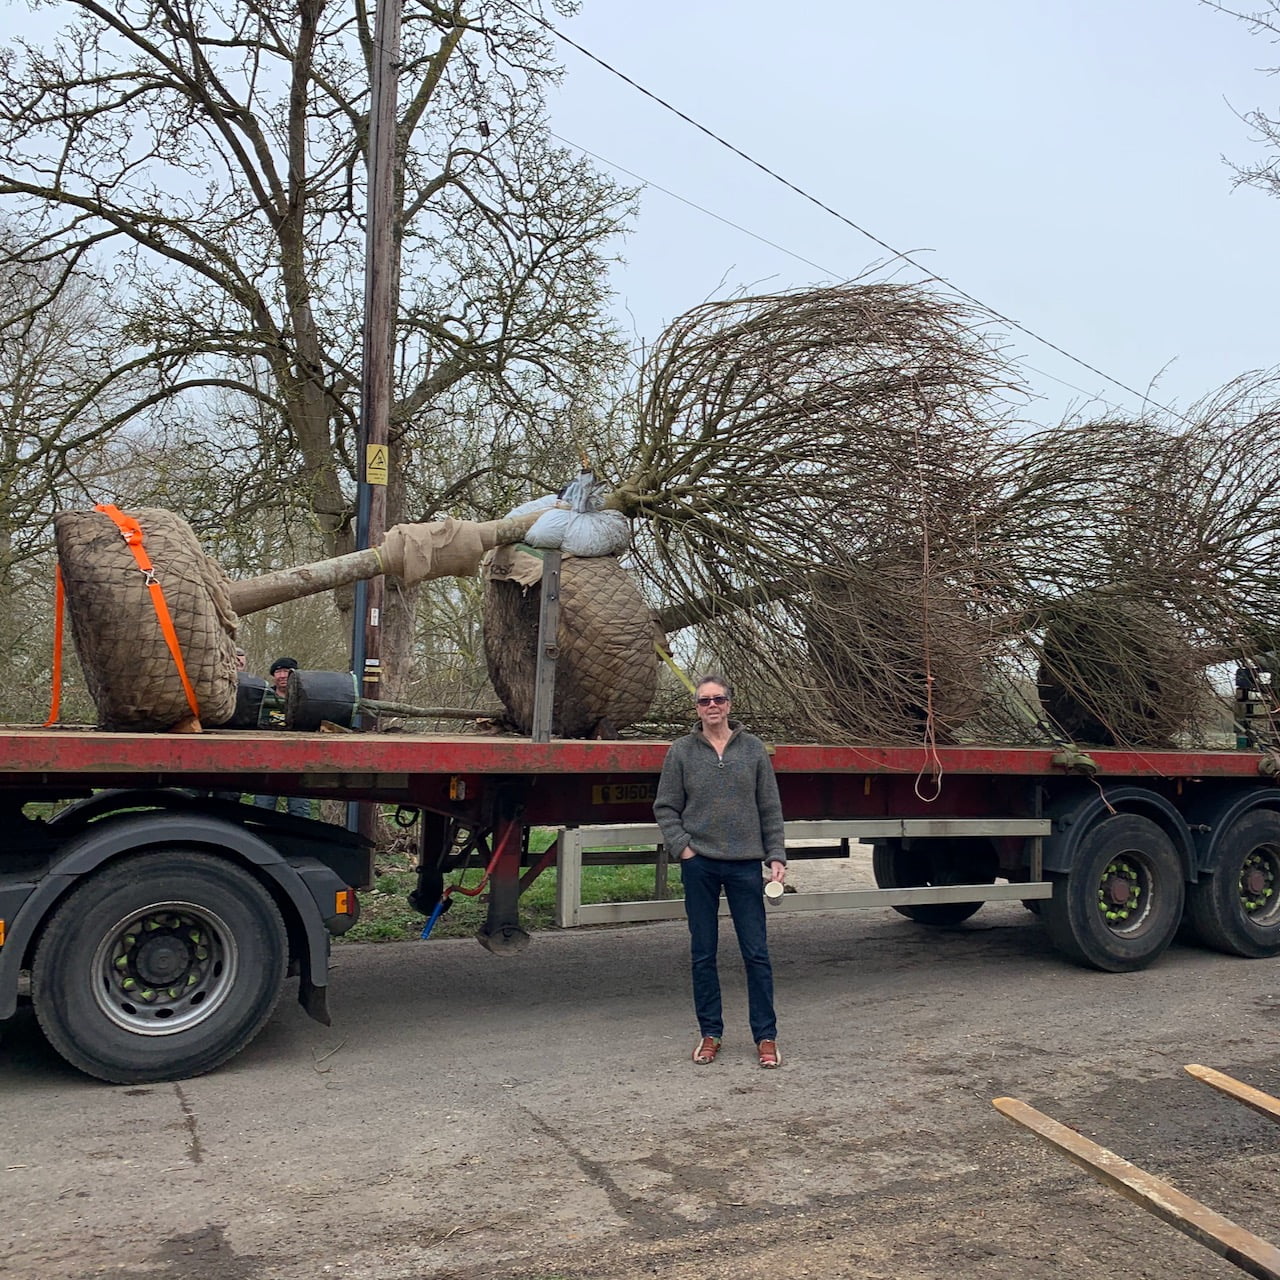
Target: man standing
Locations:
point(720, 814)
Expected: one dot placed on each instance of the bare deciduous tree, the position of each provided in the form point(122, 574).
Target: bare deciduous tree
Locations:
point(213, 155)
point(1265, 173)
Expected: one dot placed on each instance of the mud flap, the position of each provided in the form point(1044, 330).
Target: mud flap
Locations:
point(314, 1001)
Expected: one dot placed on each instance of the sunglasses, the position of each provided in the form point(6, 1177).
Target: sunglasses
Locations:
point(718, 700)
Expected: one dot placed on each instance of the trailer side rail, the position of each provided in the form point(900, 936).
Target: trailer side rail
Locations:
point(574, 842)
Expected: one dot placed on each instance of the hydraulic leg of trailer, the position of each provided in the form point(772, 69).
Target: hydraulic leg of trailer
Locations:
point(501, 932)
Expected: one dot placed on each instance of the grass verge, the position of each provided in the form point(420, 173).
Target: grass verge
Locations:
point(385, 915)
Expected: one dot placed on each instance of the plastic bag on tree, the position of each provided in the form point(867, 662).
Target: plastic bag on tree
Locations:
point(545, 503)
point(578, 526)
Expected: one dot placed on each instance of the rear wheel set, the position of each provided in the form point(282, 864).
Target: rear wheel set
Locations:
point(1120, 905)
point(1235, 907)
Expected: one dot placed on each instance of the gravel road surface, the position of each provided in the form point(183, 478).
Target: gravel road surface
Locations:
point(538, 1117)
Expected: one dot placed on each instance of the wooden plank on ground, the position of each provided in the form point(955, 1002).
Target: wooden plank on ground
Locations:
point(1263, 1103)
point(1252, 1254)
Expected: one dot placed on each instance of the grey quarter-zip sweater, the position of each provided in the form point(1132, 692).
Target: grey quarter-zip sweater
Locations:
point(725, 807)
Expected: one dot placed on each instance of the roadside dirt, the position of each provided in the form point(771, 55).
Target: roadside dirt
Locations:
point(467, 1118)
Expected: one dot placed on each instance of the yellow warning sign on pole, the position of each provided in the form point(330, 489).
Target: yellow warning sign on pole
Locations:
point(375, 464)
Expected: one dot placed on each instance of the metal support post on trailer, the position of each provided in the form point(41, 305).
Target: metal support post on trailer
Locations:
point(569, 879)
point(660, 873)
point(1035, 867)
point(544, 688)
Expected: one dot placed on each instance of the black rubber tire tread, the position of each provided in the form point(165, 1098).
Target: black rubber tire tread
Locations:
point(934, 862)
point(1072, 917)
point(61, 977)
point(1214, 913)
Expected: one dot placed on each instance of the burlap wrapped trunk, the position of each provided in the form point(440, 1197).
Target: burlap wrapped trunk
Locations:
point(130, 672)
point(1119, 672)
point(607, 669)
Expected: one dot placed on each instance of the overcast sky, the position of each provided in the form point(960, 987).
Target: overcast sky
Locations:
point(1064, 161)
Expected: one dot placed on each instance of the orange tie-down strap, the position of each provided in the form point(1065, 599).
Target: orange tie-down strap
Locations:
point(59, 596)
point(131, 531)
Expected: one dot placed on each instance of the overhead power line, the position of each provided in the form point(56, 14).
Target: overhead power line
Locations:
point(1092, 396)
point(835, 213)
point(693, 204)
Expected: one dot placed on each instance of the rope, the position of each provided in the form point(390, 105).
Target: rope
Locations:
point(131, 532)
point(671, 662)
point(932, 763)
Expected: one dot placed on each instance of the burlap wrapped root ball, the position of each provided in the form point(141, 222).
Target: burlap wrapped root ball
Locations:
point(1117, 670)
point(891, 656)
point(130, 672)
point(607, 668)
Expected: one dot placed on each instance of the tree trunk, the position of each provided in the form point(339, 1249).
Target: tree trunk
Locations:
point(249, 595)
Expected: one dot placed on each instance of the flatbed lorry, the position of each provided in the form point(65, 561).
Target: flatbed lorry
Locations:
point(152, 919)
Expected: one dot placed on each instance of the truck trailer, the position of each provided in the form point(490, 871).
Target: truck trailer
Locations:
point(152, 920)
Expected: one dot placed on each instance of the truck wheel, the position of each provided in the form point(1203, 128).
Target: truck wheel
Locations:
point(1119, 906)
point(934, 862)
point(159, 967)
point(1237, 908)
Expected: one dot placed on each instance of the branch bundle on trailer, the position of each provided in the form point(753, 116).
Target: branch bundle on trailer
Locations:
point(1147, 556)
point(838, 506)
point(1118, 670)
point(816, 470)
point(1089, 660)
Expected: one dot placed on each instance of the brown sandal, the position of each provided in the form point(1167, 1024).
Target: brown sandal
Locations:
point(705, 1053)
point(768, 1054)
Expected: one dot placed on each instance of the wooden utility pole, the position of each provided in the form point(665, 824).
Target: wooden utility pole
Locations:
point(381, 263)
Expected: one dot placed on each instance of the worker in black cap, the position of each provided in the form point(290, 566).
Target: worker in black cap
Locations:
point(279, 672)
point(272, 713)
point(272, 717)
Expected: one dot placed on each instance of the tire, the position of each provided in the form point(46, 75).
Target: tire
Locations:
point(1236, 909)
point(934, 862)
point(1120, 905)
point(158, 967)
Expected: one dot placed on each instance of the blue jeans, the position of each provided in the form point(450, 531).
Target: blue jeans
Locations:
point(743, 888)
point(299, 806)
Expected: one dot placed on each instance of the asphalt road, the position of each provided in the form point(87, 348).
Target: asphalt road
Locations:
point(539, 1117)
